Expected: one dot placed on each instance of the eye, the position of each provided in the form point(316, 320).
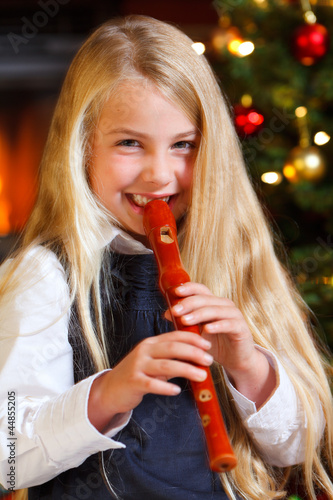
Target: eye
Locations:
point(129, 143)
point(184, 145)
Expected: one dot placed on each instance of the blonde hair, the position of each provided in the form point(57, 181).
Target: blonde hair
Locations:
point(226, 242)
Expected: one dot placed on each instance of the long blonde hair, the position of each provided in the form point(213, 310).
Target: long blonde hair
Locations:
point(226, 242)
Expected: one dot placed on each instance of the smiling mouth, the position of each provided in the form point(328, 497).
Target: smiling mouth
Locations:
point(141, 201)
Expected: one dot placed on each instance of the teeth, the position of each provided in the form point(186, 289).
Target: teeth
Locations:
point(141, 201)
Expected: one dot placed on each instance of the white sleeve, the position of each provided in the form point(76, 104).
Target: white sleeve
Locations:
point(279, 426)
point(44, 427)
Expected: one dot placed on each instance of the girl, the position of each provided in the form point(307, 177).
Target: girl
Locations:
point(102, 406)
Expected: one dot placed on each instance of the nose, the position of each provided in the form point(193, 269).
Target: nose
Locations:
point(158, 170)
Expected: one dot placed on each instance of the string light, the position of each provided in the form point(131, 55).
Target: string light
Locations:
point(313, 161)
point(245, 49)
point(255, 118)
point(308, 14)
point(272, 178)
point(301, 111)
point(246, 100)
point(239, 48)
point(321, 138)
point(289, 171)
point(199, 48)
point(233, 46)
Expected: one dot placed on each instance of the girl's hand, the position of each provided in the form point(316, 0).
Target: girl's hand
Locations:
point(147, 369)
point(232, 343)
point(220, 321)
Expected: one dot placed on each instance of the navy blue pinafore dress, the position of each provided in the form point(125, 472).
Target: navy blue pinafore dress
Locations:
point(165, 456)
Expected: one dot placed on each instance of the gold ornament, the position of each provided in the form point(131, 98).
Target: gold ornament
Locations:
point(306, 163)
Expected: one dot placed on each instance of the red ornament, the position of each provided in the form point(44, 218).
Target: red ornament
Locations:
point(248, 121)
point(310, 43)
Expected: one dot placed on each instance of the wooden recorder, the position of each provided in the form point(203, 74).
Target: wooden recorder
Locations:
point(161, 230)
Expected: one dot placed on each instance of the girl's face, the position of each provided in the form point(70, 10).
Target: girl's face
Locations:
point(144, 148)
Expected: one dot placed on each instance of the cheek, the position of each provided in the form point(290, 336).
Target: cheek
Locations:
point(187, 175)
point(111, 179)
point(105, 172)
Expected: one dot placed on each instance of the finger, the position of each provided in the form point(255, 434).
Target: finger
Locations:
point(159, 386)
point(191, 288)
point(238, 329)
point(179, 336)
point(171, 368)
point(195, 302)
point(208, 314)
point(180, 351)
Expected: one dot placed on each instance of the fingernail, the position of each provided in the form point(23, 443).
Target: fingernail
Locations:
point(188, 317)
point(201, 375)
point(208, 358)
point(180, 289)
point(178, 308)
point(206, 343)
point(176, 390)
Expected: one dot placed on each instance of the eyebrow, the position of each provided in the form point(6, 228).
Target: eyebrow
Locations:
point(128, 131)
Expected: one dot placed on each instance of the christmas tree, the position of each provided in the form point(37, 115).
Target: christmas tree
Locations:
point(274, 62)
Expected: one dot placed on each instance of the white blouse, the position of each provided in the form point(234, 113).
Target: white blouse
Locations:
point(44, 427)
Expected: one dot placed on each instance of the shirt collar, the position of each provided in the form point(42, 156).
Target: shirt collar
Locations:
point(121, 242)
